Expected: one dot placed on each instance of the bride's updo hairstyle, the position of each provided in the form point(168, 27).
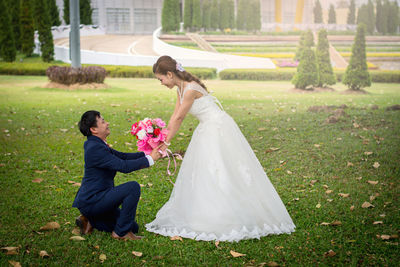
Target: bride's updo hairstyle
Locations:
point(167, 63)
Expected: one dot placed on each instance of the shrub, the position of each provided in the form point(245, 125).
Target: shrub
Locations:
point(307, 71)
point(18, 68)
point(257, 74)
point(69, 75)
point(357, 76)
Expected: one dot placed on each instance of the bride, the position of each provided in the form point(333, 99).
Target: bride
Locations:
point(221, 192)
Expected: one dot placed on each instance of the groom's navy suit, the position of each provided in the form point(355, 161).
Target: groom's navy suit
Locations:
point(98, 199)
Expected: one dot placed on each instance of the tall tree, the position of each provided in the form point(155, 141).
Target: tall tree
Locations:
point(318, 12)
point(13, 7)
point(351, 16)
point(214, 15)
point(307, 71)
point(231, 14)
point(393, 18)
point(7, 44)
point(206, 14)
point(385, 14)
point(254, 16)
point(362, 15)
point(379, 16)
point(196, 11)
point(43, 23)
point(332, 15)
point(223, 15)
point(357, 76)
point(27, 30)
point(325, 71)
point(188, 15)
point(241, 15)
point(66, 12)
point(85, 12)
point(371, 17)
point(54, 13)
point(170, 16)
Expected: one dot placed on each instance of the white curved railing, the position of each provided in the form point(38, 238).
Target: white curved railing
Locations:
point(187, 57)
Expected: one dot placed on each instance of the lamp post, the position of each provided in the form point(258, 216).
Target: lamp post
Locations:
point(74, 36)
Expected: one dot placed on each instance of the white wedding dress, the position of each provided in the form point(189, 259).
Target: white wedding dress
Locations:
point(221, 192)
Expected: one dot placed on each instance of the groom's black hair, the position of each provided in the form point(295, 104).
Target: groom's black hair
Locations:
point(88, 120)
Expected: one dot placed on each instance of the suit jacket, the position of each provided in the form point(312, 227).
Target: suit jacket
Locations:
point(101, 166)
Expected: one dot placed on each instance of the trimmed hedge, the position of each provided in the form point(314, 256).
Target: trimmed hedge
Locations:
point(17, 68)
point(68, 75)
point(378, 76)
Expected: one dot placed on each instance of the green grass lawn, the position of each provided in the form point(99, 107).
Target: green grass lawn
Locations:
point(315, 164)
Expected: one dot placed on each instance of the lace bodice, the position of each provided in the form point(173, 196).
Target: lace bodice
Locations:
point(204, 108)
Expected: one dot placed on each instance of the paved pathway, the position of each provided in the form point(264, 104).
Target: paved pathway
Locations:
point(121, 44)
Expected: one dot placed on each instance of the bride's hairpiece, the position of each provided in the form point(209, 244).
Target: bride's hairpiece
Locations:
point(179, 67)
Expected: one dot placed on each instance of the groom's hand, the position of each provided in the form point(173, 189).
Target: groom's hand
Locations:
point(155, 154)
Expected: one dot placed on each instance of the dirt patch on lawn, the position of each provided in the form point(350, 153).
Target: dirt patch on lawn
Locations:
point(311, 90)
point(76, 86)
point(354, 92)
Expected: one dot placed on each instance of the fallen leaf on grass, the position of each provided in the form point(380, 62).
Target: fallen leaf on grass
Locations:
point(352, 208)
point(383, 237)
point(376, 165)
point(173, 238)
point(317, 145)
point(50, 226)
point(217, 243)
point(330, 253)
point(312, 182)
point(318, 206)
point(236, 254)
point(366, 205)
point(271, 149)
point(137, 253)
point(356, 125)
point(349, 164)
point(44, 254)
point(328, 191)
point(344, 195)
point(76, 238)
point(373, 182)
point(37, 180)
point(76, 231)
point(325, 223)
point(272, 264)
point(378, 222)
point(368, 153)
point(10, 250)
point(39, 171)
point(102, 257)
point(336, 223)
point(14, 263)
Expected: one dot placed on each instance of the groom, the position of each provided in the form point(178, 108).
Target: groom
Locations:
point(98, 199)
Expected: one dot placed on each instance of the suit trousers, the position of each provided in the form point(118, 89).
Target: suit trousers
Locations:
point(105, 215)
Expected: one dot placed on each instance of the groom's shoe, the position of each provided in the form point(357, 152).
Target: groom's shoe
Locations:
point(128, 236)
point(83, 223)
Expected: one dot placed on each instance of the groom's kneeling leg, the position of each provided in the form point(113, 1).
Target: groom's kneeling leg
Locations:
point(105, 214)
point(126, 219)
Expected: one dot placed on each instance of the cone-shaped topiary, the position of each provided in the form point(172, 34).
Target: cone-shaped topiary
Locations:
point(307, 71)
point(325, 71)
point(54, 13)
point(170, 16)
point(188, 14)
point(357, 75)
point(351, 16)
point(318, 12)
point(306, 40)
point(44, 28)
point(27, 30)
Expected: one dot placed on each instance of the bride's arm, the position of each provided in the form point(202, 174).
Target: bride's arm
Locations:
point(181, 111)
point(178, 103)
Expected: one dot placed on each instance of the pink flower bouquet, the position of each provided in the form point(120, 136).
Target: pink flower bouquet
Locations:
point(150, 133)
